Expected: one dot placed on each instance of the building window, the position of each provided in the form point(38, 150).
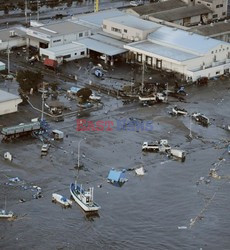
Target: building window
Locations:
point(215, 16)
point(139, 57)
point(217, 72)
point(158, 64)
point(125, 30)
point(66, 56)
point(221, 5)
point(212, 52)
point(198, 2)
point(104, 26)
point(116, 30)
point(208, 5)
point(217, 6)
point(86, 33)
point(75, 54)
point(224, 13)
point(56, 41)
point(149, 60)
point(80, 34)
point(82, 53)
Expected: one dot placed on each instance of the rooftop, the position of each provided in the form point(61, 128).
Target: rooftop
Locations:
point(182, 12)
point(96, 18)
point(157, 7)
point(60, 28)
point(6, 36)
point(212, 30)
point(6, 96)
point(104, 44)
point(59, 50)
point(135, 22)
point(164, 51)
point(178, 38)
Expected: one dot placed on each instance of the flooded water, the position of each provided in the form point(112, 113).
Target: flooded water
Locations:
point(146, 212)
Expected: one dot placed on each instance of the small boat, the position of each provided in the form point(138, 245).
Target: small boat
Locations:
point(84, 198)
point(62, 200)
point(5, 214)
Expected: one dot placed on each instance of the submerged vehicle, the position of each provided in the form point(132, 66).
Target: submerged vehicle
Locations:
point(181, 154)
point(84, 198)
point(44, 149)
point(179, 111)
point(202, 119)
point(5, 214)
point(62, 200)
point(158, 146)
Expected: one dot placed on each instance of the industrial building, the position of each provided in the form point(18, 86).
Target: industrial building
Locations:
point(8, 102)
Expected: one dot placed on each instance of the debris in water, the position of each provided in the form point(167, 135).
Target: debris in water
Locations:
point(140, 171)
point(182, 227)
point(8, 156)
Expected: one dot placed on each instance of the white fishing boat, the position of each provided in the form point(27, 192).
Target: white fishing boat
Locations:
point(62, 200)
point(5, 214)
point(84, 198)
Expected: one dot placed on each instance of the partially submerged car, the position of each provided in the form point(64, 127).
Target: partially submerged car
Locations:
point(178, 111)
point(202, 119)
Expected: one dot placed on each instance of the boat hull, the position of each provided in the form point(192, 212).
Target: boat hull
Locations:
point(87, 208)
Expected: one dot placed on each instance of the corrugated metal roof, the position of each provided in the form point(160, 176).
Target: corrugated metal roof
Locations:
point(182, 12)
point(102, 47)
point(159, 50)
point(6, 96)
point(98, 17)
point(212, 30)
point(157, 7)
point(135, 22)
point(183, 40)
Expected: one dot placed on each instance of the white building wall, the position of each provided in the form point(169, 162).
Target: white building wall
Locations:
point(132, 34)
point(215, 6)
point(13, 43)
point(9, 106)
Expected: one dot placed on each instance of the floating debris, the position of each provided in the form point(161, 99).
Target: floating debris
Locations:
point(140, 171)
point(8, 156)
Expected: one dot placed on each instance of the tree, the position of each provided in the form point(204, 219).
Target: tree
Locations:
point(28, 79)
point(84, 94)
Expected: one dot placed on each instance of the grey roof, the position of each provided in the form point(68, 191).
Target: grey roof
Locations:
point(157, 7)
point(182, 12)
point(208, 1)
point(135, 22)
point(65, 48)
point(160, 50)
point(96, 19)
point(212, 30)
point(5, 34)
point(184, 40)
point(60, 28)
point(6, 96)
point(103, 44)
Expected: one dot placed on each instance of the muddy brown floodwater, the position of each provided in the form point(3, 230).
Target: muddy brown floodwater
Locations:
point(170, 207)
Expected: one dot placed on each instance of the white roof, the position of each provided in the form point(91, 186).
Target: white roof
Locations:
point(183, 40)
point(135, 22)
point(6, 96)
point(103, 46)
point(66, 48)
point(96, 19)
point(2, 64)
point(159, 50)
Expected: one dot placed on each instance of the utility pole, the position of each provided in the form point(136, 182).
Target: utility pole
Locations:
point(38, 10)
point(43, 90)
point(8, 58)
point(143, 76)
point(190, 127)
point(26, 12)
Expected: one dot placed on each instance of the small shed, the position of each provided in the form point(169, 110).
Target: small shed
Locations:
point(117, 176)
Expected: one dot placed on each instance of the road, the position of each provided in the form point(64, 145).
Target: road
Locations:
point(16, 17)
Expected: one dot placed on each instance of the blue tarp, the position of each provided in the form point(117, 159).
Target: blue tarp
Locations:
point(116, 176)
point(74, 89)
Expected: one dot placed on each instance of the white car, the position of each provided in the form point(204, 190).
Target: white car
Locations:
point(136, 3)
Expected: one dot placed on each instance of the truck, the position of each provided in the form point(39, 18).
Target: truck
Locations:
point(20, 130)
point(158, 97)
point(57, 134)
point(158, 146)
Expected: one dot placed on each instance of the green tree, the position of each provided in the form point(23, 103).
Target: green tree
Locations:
point(28, 79)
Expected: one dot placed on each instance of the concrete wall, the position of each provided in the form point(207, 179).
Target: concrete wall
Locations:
point(9, 106)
